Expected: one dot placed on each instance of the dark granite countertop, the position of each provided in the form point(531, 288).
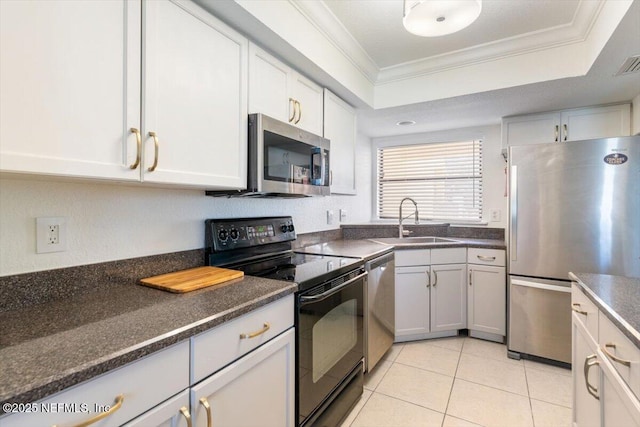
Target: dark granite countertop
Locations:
point(618, 297)
point(365, 249)
point(45, 348)
point(457, 242)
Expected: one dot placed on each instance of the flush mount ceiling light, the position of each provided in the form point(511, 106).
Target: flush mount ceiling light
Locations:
point(432, 18)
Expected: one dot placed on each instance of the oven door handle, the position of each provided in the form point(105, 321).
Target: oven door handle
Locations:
point(315, 298)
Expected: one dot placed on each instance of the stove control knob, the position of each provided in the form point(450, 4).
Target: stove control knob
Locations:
point(290, 228)
point(284, 228)
point(222, 235)
point(234, 234)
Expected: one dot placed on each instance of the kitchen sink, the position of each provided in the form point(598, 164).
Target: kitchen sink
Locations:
point(411, 240)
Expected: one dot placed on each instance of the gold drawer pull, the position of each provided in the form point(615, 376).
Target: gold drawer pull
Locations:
point(156, 147)
point(576, 307)
point(204, 402)
point(250, 335)
point(626, 363)
point(486, 258)
point(102, 415)
point(187, 415)
point(138, 148)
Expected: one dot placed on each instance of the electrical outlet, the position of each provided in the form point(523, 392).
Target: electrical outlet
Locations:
point(343, 215)
point(51, 234)
point(495, 215)
point(329, 217)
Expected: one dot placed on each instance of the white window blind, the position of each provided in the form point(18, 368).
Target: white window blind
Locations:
point(445, 180)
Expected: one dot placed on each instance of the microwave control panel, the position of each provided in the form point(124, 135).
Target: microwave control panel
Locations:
point(227, 234)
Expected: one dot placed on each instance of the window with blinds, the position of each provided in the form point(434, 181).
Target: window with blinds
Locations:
point(445, 180)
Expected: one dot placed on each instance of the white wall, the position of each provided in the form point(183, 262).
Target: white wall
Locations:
point(493, 166)
point(109, 221)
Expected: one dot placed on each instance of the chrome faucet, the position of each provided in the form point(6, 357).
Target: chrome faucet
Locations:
point(402, 233)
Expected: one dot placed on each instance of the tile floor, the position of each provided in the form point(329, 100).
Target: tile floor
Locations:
point(460, 382)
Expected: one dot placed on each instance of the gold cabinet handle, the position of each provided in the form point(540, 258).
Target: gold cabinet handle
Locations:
point(250, 335)
point(588, 363)
point(604, 348)
point(156, 145)
point(470, 271)
point(566, 132)
point(292, 109)
point(102, 415)
point(299, 111)
point(557, 129)
point(204, 402)
point(187, 415)
point(138, 148)
point(576, 307)
point(435, 278)
point(486, 258)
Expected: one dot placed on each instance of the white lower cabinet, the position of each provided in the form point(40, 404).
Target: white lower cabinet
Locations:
point(256, 390)
point(430, 299)
point(172, 413)
point(603, 375)
point(487, 294)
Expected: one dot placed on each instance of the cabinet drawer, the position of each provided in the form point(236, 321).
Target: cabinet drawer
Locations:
point(167, 414)
point(143, 384)
point(486, 256)
point(410, 257)
point(585, 310)
point(214, 349)
point(615, 345)
point(449, 256)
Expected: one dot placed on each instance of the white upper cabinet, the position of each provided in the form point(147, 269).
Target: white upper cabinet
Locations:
point(195, 91)
point(102, 81)
point(340, 129)
point(70, 84)
point(569, 125)
point(280, 92)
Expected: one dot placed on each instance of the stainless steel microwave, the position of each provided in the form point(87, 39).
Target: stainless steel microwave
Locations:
point(284, 161)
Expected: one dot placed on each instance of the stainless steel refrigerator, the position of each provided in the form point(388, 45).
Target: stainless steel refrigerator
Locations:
point(573, 206)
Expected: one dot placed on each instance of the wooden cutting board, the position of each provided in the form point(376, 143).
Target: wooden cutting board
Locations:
point(192, 279)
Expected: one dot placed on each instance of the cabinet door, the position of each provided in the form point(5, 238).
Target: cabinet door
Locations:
point(172, 413)
point(586, 407)
point(618, 404)
point(70, 84)
point(448, 297)
point(269, 85)
point(195, 82)
point(412, 300)
point(256, 390)
point(487, 299)
point(340, 129)
point(310, 104)
point(531, 129)
point(596, 122)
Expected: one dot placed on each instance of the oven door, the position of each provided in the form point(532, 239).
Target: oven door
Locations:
point(330, 341)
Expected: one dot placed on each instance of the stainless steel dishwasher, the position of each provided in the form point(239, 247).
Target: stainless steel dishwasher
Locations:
point(380, 313)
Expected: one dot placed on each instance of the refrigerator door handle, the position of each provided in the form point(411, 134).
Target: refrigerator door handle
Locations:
point(513, 241)
point(536, 285)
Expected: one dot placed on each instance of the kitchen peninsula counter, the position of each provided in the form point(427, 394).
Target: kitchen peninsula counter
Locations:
point(48, 347)
point(617, 297)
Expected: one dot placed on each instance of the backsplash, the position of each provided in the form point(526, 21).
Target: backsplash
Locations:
point(366, 231)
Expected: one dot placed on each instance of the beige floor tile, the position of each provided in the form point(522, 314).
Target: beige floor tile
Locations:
point(528, 364)
point(393, 352)
point(450, 421)
point(550, 415)
point(373, 378)
point(549, 387)
point(415, 385)
point(493, 373)
point(385, 411)
point(451, 343)
point(488, 349)
point(424, 355)
point(488, 406)
point(366, 394)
